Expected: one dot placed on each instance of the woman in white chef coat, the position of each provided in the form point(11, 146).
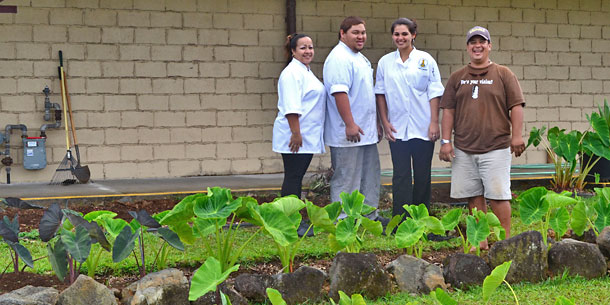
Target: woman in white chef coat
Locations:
point(408, 90)
point(299, 125)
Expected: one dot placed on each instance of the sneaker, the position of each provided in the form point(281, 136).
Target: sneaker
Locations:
point(303, 226)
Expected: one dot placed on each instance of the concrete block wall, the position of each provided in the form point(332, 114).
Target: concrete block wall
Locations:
point(168, 88)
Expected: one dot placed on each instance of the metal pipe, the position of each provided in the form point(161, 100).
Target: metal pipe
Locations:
point(8, 161)
point(57, 124)
point(291, 16)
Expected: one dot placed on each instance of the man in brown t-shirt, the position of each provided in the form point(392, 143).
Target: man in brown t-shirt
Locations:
point(482, 101)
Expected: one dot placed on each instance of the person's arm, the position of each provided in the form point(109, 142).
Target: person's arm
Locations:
point(296, 141)
point(382, 111)
point(446, 153)
point(517, 145)
point(352, 130)
point(433, 130)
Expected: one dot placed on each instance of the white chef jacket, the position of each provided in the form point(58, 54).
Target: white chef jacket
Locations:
point(349, 72)
point(300, 92)
point(408, 88)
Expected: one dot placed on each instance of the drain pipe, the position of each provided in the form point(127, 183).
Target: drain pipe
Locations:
point(8, 161)
point(291, 16)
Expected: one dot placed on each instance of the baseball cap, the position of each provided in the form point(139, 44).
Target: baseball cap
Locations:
point(478, 31)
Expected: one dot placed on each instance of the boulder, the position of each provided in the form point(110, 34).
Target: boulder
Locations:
point(302, 286)
point(528, 253)
point(166, 287)
point(415, 275)
point(603, 241)
point(577, 257)
point(211, 298)
point(30, 295)
point(464, 270)
point(587, 236)
point(358, 273)
point(86, 291)
point(253, 286)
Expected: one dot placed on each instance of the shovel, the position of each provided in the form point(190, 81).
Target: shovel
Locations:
point(82, 173)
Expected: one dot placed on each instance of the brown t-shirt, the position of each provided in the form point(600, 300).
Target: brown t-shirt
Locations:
point(482, 99)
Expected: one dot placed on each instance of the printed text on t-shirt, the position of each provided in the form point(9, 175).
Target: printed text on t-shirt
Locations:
point(476, 82)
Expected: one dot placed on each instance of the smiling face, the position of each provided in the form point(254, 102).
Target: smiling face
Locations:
point(402, 37)
point(355, 37)
point(304, 50)
point(478, 48)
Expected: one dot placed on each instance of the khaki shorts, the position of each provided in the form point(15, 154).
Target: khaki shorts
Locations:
point(485, 174)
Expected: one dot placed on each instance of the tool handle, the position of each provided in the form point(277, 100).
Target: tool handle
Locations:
point(61, 58)
point(65, 81)
point(63, 99)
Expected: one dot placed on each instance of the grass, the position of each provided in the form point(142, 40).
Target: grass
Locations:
point(262, 249)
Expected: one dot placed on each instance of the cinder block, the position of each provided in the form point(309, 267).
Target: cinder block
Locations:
point(7, 86)
point(247, 134)
point(569, 87)
point(246, 166)
point(260, 150)
point(215, 167)
point(523, 58)
point(117, 35)
point(329, 8)
point(199, 85)
point(231, 118)
point(136, 119)
point(150, 69)
point(536, 100)
point(102, 85)
point(136, 153)
point(90, 137)
point(569, 59)
point(216, 102)
point(181, 5)
point(120, 102)
point(593, 32)
point(169, 152)
point(600, 46)
point(258, 21)
point(169, 119)
point(216, 134)
point(134, 52)
point(120, 136)
point(390, 10)
point(506, 14)
point(154, 36)
point(41, 33)
point(154, 169)
point(31, 85)
point(569, 114)
point(103, 119)
point(554, 72)
point(100, 51)
point(364, 9)
point(100, 17)
point(487, 14)
point(182, 69)
point(600, 18)
point(7, 50)
point(135, 85)
point(450, 57)
point(264, 117)
point(117, 69)
point(546, 58)
point(260, 85)
point(123, 170)
point(557, 16)
point(174, 86)
point(84, 34)
point(448, 27)
point(182, 36)
point(267, 70)
point(201, 151)
point(580, 73)
point(227, 21)
point(534, 15)
point(275, 165)
point(592, 86)
point(167, 53)
point(266, 53)
point(246, 101)
point(84, 68)
point(244, 69)
point(68, 16)
point(200, 118)
point(580, 45)
point(271, 38)
point(185, 135)
point(579, 100)
point(82, 3)
point(103, 153)
point(548, 114)
point(522, 29)
point(166, 20)
point(579, 17)
point(230, 85)
point(154, 136)
point(198, 53)
point(231, 150)
point(20, 103)
point(134, 18)
point(184, 102)
point(33, 51)
point(149, 5)
point(197, 20)
point(560, 100)
point(29, 15)
point(243, 37)
point(547, 86)
point(535, 72)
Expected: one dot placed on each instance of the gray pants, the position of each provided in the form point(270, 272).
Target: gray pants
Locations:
point(356, 168)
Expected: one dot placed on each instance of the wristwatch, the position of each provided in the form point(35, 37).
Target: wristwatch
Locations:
point(443, 141)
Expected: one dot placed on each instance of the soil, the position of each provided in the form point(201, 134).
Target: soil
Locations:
point(30, 219)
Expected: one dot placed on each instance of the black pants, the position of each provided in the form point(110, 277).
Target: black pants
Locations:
point(419, 152)
point(295, 166)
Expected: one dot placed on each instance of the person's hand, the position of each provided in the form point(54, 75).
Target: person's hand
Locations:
point(517, 146)
point(353, 132)
point(296, 142)
point(434, 132)
point(389, 131)
point(446, 153)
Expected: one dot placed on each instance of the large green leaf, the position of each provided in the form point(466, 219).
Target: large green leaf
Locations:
point(77, 243)
point(183, 210)
point(114, 226)
point(559, 200)
point(408, 233)
point(289, 205)
point(7, 233)
point(352, 203)
point(50, 222)
point(417, 212)
point(243, 212)
point(559, 220)
point(535, 136)
point(145, 219)
point(185, 232)
point(495, 225)
point(276, 223)
point(594, 144)
point(23, 253)
point(603, 193)
point(495, 279)
point(579, 220)
point(393, 223)
point(204, 227)
point(275, 297)
point(171, 238)
point(95, 215)
point(603, 214)
point(451, 219)
point(207, 277)
point(124, 244)
point(375, 227)
point(570, 145)
point(319, 218)
point(367, 209)
point(600, 125)
point(476, 231)
point(532, 206)
point(346, 231)
point(58, 257)
point(433, 225)
point(333, 210)
point(443, 297)
point(219, 205)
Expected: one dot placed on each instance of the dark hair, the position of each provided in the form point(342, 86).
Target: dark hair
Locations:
point(411, 25)
point(348, 22)
point(291, 44)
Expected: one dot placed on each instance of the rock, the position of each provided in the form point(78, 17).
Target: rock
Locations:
point(30, 295)
point(587, 236)
point(415, 275)
point(463, 270)
point(253, 286)
point(577, 257)
point(302, 286)
point(358, 273)
point(210, 298)
point(166, 287)
point(528, 253)
point(86, 291)
point(603, 241)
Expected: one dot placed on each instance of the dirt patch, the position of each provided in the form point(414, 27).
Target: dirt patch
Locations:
point(12, 281)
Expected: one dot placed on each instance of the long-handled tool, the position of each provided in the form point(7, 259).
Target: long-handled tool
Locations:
point(64, 174)
point(82, 173)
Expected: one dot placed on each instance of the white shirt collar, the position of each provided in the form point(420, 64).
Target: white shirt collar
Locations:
point(299, 63)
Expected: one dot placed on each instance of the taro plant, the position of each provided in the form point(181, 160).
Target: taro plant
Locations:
point(124, 243)
point(599, 140)
point(596, 217)
point(9, 231)
point(112, 227)
point(208, 277)
point(479, 226)
point(212, 217)
point(412, 232)
point(549, 209)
